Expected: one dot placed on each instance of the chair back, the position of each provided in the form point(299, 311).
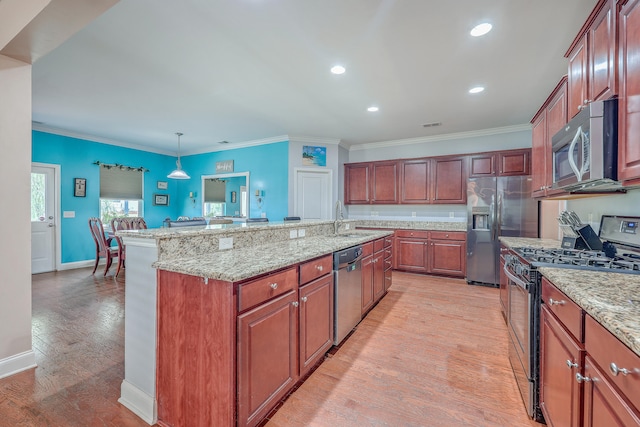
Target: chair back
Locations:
point(257, 219)
point(128, 223)
point(186, 223)
point(291, 218)
point(97, 231)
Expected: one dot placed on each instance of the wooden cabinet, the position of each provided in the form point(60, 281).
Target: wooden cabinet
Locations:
point(514, 163)
point(376, 271)
point(415, 181)
point(592, 59)
point(316, 321)
point(481, 165)
point(267, 356)
point(449, 179)
point(356, 183)
point(629, 107)
point(547, 121)
point(378, 274)
point(388, 262)
point(435, 252)
point(367, 283)
point(504, 286)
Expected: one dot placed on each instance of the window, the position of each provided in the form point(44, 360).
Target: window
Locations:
point(120, 192)
point(214, 209)
point(214, 197)
point(38, 196)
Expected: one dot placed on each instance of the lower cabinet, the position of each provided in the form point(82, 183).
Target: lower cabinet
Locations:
point(376, 271)
point(316, 321)
point(504, 288)
point(434, 252)
point(267, 356)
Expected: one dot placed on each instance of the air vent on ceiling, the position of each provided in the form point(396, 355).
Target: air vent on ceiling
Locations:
point(223, 142)
point(432, 124)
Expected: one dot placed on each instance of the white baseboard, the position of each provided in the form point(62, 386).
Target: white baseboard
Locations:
point(78, 264)
point(17, 363)
point(139, 402)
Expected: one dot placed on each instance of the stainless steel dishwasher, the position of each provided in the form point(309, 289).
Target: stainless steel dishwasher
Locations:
point(347, 273)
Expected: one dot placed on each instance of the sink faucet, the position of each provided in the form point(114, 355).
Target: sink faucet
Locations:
point(339, 217)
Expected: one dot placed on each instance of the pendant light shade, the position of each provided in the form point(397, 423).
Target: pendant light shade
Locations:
point(178, 173)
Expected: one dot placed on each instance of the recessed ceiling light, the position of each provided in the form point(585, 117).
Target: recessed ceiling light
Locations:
point(372, 109)
point(338, 69)
point(481, 29)
point(476, 89)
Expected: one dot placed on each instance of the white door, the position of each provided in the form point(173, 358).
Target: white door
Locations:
point(43, 220)
point(313, 193)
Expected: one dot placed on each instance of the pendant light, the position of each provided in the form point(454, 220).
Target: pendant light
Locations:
point(178, 173)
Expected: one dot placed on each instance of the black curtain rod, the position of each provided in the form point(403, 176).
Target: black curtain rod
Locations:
point(121, 167)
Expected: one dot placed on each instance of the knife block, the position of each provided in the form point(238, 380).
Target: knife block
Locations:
point(583, 238)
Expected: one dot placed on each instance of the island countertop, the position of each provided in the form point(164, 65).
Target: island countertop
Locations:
point(235, 265)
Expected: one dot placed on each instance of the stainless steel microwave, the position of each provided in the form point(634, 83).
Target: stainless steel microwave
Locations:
point(585, 151)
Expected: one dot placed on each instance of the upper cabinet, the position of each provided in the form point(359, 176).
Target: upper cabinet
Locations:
point(592, 58)
point(449, 180)
point(514, 163)
point(356, 183)
point(549, 120)
point(415, 180)
point(371, 182)
point(629, 101)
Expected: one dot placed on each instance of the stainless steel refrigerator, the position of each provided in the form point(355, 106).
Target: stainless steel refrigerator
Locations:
point(496, 206)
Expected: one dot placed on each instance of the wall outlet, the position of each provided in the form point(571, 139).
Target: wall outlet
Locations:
point(301, 232)
point(346, 226)
point(413, 214)
point(69, 214)
point(225, 243)
point(293, 234)
point(263, 214)
point(451, 214)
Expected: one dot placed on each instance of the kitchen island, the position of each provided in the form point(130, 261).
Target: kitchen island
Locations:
point(190, 259)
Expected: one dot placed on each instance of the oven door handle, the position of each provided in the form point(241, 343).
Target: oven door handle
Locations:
point(518, 281)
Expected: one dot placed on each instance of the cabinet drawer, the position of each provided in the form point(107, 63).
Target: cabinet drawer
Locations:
point(257, 291)
point(388, 240)
point(387, 263)
point(387, 253)
point(378, 245)
point(608, 352)
point(569, 313)
point(449, 235)
point(313, 269)
point(421, 234)
point(367, 249)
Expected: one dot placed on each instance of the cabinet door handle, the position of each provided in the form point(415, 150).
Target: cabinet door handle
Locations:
point(274, 286)
point(319, 268)
point(615, 370)
point(581, 378)
point(295, 303)
point(303, 299)
point(571, 364)
point(556, 302)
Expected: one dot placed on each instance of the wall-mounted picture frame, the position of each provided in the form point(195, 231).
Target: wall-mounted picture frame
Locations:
point(79, 187)
point(161, 200)
point(233, 197)
point(163, 185)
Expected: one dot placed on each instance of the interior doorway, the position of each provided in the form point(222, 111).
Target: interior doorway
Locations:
point(44, 216)
point(313, 193)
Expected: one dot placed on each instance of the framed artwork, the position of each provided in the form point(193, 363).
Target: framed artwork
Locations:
point(79, 187)
point(233, 197)
point(314, 156)
point(161, 199)
point(163, 185)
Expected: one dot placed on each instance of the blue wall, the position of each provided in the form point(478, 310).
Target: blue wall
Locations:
point(267, 164)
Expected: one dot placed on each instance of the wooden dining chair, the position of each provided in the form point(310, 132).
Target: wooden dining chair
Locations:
point(103, 245)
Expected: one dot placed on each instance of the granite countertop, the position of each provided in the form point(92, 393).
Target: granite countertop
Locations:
point(239, 264)
point(612, 299)
point(414, 225)
point(531, 242)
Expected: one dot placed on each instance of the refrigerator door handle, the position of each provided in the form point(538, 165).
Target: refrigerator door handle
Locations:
point(492, 218)
point(498, 224)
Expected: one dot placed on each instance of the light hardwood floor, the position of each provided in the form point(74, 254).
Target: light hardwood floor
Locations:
point(432, 353)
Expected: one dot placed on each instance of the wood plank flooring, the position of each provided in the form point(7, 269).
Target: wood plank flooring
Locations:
point(432, 353)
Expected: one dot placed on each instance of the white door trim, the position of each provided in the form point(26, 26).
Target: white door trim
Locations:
point(297, 170)
point(56, 209)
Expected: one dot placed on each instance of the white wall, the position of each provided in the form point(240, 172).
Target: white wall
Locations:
point(591, 209)
point(15, 227)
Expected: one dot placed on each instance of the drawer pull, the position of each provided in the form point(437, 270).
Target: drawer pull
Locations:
point(274, 286)
point(303, 299)
point(615, 370)
point(571, 364)
point(580, 378)
point(319, 268)
point(556, 302)
point(295, 303)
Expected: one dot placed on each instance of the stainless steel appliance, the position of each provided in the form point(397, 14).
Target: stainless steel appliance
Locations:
point(496, 207)
point(348, 291)
point(585, 151)
point(621, 254)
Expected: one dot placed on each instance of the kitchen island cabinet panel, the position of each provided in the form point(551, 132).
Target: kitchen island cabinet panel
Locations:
point(195, 363)
point(316, 321)
point(267, 357)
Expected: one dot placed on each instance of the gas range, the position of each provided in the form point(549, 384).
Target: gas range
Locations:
point(625, 262)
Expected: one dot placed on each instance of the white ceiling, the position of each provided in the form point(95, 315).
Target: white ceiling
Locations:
point(243, 70)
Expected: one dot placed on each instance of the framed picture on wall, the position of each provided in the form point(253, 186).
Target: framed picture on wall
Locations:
point(79, 187)
point(161, 199)
point(163, 185)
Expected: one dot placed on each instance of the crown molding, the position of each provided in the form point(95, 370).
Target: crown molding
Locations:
point(234, 145)
point(314, 140)
point(443, 137)
point(87, 137)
